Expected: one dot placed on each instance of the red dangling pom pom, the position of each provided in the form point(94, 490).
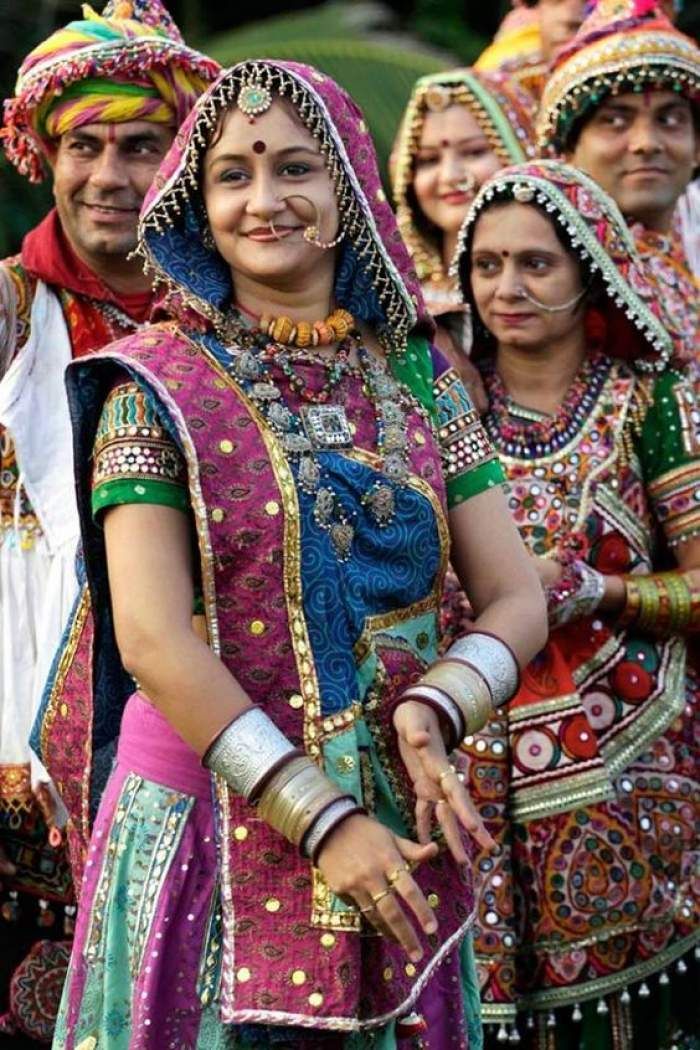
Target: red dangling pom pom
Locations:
point(595, 327)
point(410, 1025)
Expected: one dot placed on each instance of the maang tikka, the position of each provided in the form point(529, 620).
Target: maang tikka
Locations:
point(254, 98)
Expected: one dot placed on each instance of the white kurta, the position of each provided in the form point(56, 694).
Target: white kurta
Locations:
point(38, 583)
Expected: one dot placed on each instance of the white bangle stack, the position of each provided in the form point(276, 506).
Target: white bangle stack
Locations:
point(490, 657)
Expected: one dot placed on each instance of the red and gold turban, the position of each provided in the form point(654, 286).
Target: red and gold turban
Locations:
point(130, 63)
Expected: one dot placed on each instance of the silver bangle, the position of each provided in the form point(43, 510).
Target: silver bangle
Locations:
point(247, 750)
point(448, 706)
point(334, 814)
point(492, 659)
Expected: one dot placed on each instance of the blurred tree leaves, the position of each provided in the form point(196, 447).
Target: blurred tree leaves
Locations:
point(360, 46)
point(376, 51)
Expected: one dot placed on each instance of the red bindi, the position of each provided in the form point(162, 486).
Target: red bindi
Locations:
point(111, 133)
point(259, 146)
point(444, 143)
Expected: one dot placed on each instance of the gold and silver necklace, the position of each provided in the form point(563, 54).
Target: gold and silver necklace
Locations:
point(322, 426)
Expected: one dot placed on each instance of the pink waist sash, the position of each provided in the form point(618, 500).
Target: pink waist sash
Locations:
point(150, 747)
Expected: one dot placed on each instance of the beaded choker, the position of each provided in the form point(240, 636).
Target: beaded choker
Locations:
point(527, 434)
point(283, 330)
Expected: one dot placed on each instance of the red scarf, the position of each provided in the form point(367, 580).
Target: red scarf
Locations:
point(47, 255)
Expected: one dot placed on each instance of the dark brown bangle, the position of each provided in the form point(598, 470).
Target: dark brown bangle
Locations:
point(442, 716)
point(341, 818)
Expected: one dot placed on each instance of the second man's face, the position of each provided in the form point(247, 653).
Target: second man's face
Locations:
point(642, 149)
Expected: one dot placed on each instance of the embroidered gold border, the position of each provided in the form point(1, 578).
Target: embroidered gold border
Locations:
point(554, 704)
point(601, 986)
point(54, 709)
point(580, 789)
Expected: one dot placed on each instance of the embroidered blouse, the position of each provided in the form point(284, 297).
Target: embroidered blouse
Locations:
point(135, 460)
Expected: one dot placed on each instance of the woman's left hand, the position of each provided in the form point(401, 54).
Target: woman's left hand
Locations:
point(436, 784)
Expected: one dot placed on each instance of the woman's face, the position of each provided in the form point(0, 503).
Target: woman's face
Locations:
point(252, 173)
point(452, 149)
point(515, 251)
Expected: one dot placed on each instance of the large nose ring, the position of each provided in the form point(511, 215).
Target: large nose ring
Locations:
point(312, 232)
point(273, 231)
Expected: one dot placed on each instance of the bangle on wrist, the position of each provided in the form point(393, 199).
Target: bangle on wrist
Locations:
point(248, 751)
point(294, 798)
point(577, 593)
point(334, 814)
point(261, 764)
point(444, 706)
point(661, 604)
point(493, 659)
point(467, 689)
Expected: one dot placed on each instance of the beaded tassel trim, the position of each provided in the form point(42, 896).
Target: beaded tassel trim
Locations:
point(539, 186)
point(356, 215)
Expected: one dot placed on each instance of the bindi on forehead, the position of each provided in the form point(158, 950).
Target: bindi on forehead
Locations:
point(111, 133)
point(259, 146)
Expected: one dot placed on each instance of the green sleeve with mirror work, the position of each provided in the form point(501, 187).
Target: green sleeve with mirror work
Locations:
point(470, 464)
point(134, 458)
point(668, 447)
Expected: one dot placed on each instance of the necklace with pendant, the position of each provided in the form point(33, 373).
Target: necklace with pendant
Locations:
point(323, 426)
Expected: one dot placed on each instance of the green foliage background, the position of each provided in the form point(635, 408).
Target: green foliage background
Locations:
point(376, 62)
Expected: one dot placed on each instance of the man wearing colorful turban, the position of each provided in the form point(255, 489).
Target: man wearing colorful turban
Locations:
point(623, 104)
point(97, 106)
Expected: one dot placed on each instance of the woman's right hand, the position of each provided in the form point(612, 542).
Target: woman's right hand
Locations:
point(361, 859)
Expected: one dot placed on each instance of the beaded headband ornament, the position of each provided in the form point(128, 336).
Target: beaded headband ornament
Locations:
point(373, 271)
point(594, 227)
point(623, 45)
point(128, 63)
point(503, 112)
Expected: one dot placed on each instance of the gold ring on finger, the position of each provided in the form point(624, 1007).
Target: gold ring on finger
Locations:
point(396, 874)
point(377, 897)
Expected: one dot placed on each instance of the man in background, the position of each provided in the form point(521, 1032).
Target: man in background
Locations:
point(97, 104)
